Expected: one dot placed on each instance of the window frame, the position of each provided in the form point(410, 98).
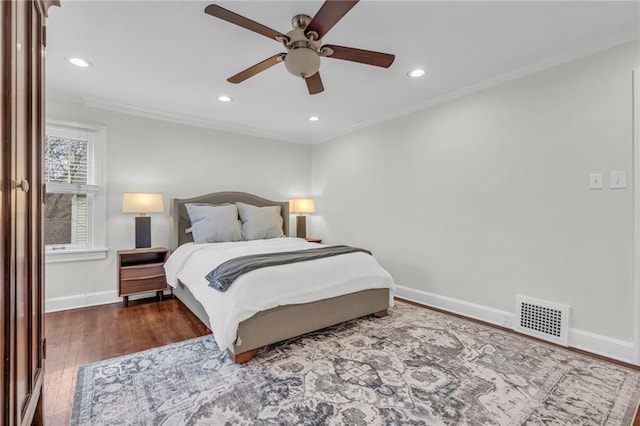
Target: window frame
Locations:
point(96, 195)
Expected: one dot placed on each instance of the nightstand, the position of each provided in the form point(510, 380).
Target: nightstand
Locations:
point(141, 271)
point(314, 240)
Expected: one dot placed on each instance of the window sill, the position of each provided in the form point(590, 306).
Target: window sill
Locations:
point(59, 256)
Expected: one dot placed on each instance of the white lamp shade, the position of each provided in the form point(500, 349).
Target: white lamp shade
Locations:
point(301, 205)
point(138, 202)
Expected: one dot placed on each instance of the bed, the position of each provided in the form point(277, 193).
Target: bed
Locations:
point(275, 323)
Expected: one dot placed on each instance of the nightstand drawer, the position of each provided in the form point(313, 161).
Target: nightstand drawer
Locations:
point(140, 285)
point(142, 271)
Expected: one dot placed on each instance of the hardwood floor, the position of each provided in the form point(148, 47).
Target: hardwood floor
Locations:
point(87, 335)
point(82, 336)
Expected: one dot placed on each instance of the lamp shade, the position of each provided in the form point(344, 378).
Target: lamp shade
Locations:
point(138, 202)
point(301, 205)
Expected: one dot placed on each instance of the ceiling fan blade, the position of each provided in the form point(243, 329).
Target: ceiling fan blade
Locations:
point(368, 57)
point(329, 14)
point(257, 68)
point(314, 84)
point(234, 18)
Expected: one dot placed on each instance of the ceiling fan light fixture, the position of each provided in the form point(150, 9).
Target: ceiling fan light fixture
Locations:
point(225, 98)
point(302, 62)
point(417, 73)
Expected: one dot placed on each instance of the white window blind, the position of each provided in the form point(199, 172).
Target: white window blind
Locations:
point(74, 199)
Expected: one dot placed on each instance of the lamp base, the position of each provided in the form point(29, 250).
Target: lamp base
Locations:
point(143, 232)
point(301, 226)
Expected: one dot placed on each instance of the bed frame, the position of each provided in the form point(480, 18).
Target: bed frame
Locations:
point(276, 324)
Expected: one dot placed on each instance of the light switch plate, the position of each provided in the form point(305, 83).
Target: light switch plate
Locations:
point(595, 181)
point(618, 179)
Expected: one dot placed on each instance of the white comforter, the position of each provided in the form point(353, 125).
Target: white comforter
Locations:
point(269, 287)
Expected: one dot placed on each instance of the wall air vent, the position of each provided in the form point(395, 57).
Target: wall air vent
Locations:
point(544, 320)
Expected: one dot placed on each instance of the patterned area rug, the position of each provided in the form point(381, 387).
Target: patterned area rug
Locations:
point(415, 366)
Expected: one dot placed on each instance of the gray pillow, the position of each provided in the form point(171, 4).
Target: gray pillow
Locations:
point(260, 222)
point(214, 224)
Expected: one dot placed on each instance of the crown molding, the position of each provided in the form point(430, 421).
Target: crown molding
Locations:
point(175, 118)
point(593, 46)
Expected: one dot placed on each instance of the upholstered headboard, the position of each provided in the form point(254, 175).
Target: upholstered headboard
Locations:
point(180, 219)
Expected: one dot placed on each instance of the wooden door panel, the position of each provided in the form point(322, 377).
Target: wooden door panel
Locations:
point(9, 173)
point(21, 134)
point(6, 41)
point(19, 199)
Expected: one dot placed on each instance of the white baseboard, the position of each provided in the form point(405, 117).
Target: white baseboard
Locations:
point(579, 339)
point(601, 345)
point(456, 306)
point(77, 301)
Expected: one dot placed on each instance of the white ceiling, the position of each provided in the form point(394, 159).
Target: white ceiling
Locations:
point(168, 59)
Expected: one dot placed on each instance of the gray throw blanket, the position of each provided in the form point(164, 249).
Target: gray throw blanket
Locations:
point(226, 273)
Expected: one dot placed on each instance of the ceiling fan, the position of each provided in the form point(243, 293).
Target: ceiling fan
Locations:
point(304, 43)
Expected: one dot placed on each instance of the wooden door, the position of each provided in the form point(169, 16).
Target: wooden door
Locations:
point(23, 41)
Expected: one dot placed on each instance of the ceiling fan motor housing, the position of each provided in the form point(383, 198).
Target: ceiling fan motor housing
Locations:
point(300, 21)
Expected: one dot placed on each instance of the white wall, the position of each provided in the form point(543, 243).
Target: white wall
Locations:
point(486, 196)
point(146, 155)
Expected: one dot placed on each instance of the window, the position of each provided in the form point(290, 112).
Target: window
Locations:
point(74, 211)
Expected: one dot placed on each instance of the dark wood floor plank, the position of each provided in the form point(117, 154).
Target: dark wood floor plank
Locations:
point(82, 336)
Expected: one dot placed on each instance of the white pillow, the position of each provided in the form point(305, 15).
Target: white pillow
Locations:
point(260, 222)
point(214, 224)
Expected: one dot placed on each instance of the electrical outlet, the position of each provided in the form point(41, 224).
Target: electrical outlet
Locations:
point(618, 179)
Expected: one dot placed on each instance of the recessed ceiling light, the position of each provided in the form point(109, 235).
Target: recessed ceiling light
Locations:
point(225, 98)
point(314, 118)
point(79, 62)
point(416, 73)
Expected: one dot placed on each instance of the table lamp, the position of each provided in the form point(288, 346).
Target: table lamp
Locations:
point(142, 203)
point(301, 206)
